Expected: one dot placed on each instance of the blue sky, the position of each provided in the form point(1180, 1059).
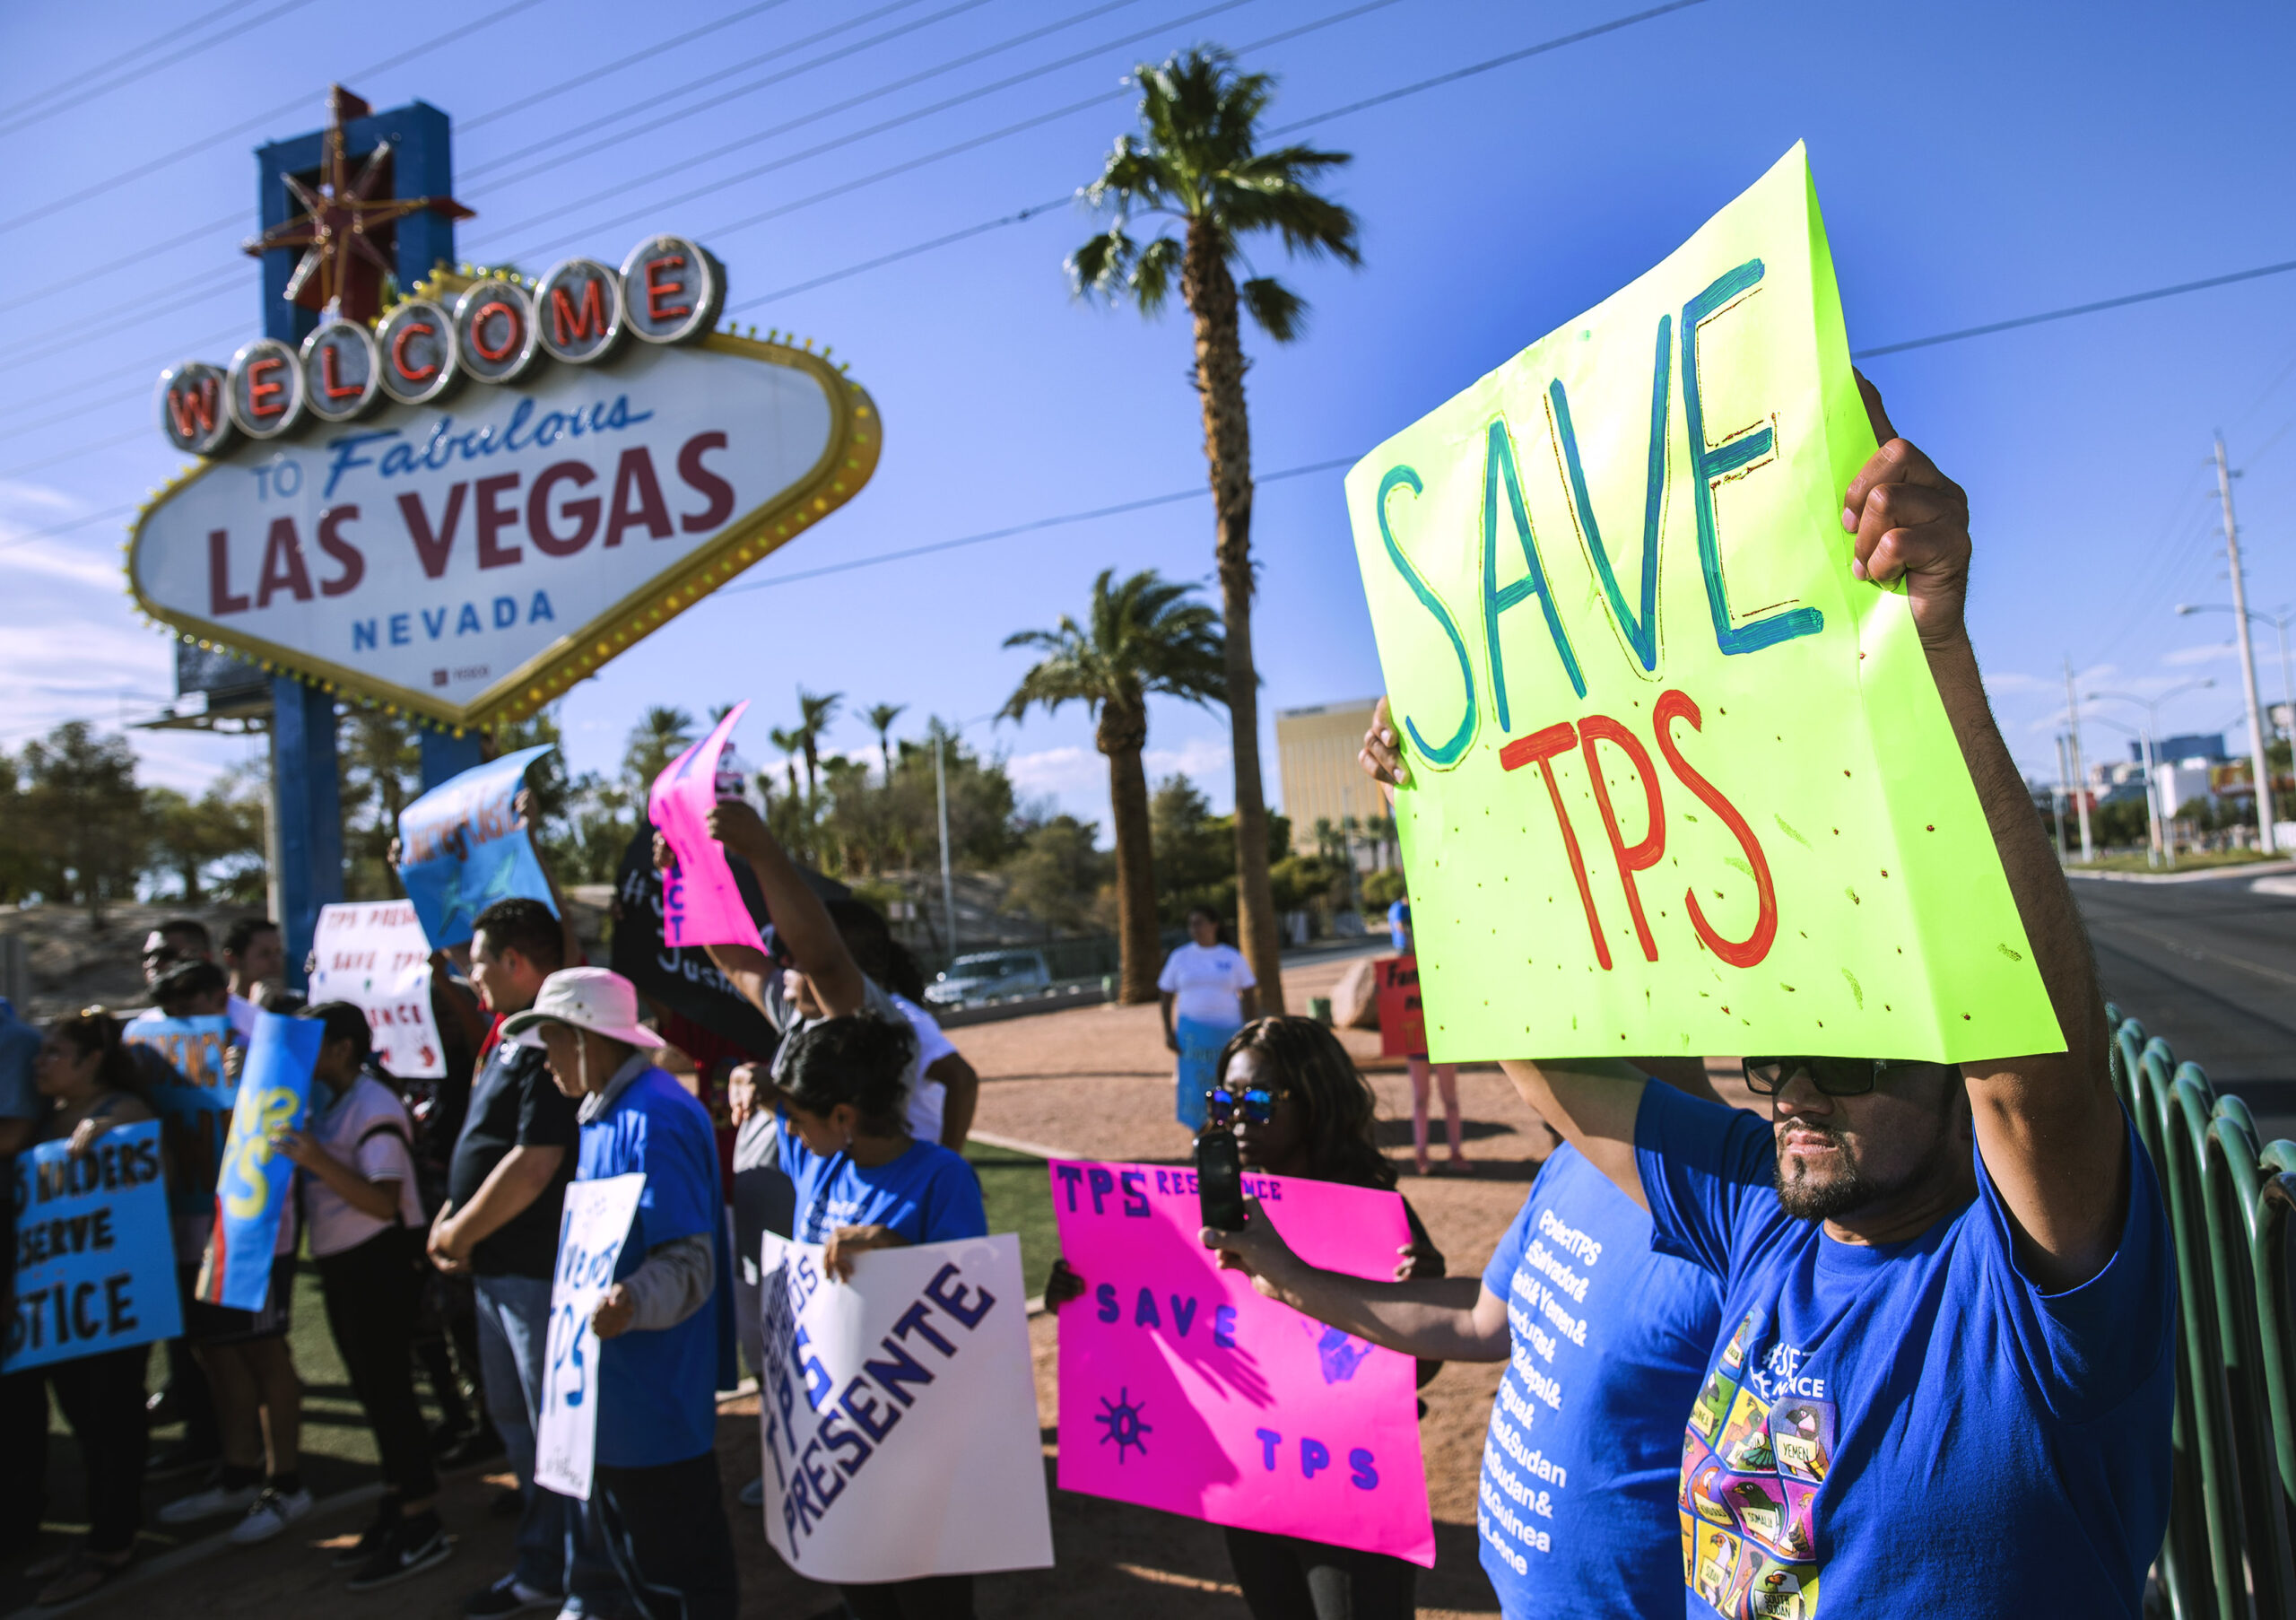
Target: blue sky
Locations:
point(1976, 162)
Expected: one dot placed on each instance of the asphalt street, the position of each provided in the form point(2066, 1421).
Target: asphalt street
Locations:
point(2210, 967)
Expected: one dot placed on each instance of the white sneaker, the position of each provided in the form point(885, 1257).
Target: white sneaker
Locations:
point(272, 1512)
point(213, 1503)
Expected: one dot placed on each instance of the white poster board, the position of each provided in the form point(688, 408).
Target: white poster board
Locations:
point(591, 1231)
point(374, 955)
point(903, 1402)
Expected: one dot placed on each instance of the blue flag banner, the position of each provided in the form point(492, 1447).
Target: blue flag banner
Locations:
point(95, 1263)
point(251, 1190)
point(194, 1110)
point(461, 849)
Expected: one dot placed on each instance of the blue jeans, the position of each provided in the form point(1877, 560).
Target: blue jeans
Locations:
point(513, 1339)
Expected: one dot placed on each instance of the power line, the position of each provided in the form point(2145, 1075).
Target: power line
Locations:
point(620, 62)
point(2072, 310)
point(129, 77)
point(60, 528)
point(180, 152)
point(552, 144)
point(43, 407)
point(12, 359)
point(81, 278)
point(1062, 520)
point(73, 454)
point(686, 165)
point(1034, 209)
point(973, 142)
point(100, 68)
point(1487, 64)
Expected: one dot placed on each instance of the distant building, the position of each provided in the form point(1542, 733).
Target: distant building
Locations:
point(1316, 749)
point(2177, 749)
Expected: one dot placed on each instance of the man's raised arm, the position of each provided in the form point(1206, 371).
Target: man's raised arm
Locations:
point(1590, 1101)
point(800, 920)
point(2047, 1124)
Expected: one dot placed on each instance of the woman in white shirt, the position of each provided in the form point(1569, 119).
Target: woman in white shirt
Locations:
point(1208, 994)
point(357, 1164)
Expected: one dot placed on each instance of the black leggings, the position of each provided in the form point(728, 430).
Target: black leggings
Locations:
point(372, 1292)
point(1285, 1577)
point(103, 1397)
point(926, 1598)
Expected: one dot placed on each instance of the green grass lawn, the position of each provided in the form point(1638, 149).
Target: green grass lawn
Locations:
point(2189, 862)
point(1019, 1197)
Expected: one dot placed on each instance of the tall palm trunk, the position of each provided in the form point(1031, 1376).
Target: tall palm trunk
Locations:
point(1211, 294)
point(1121, 735)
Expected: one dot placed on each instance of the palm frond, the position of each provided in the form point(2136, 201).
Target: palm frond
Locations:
point(1280, 312)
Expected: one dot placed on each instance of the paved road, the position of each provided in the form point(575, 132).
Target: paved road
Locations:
point(2210, 968)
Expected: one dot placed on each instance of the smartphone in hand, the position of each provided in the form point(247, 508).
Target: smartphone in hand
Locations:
point(1220, 1180)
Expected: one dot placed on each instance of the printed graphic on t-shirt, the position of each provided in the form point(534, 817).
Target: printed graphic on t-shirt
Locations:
point(1754, 1452)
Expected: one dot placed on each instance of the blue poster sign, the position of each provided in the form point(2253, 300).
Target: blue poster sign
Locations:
point(252, 1187)
point(461, 849)
point(195, 1109)
point(95, 1261)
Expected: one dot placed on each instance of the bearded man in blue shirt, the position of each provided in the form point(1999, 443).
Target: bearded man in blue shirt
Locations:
point(1947, 1376)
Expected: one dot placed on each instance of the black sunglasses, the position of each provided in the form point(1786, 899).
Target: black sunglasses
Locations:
point(1258, 1102)
point(1834, 1076)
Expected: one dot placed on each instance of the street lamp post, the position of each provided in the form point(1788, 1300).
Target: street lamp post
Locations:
point(942, 732)
point(2155, 819)
point(2280, 620)
point(2263, 773)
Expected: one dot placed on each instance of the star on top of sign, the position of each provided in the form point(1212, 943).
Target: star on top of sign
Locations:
point(339, 219)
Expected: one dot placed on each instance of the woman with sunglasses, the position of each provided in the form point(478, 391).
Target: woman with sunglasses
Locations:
point(1299, 1108)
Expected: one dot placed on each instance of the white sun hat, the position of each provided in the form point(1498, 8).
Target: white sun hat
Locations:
point(588, 999)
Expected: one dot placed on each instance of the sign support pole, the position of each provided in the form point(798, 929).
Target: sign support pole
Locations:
point(306, 807)
point(446, 757)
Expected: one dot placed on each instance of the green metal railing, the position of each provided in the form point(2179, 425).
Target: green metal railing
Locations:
point(2228, 1553)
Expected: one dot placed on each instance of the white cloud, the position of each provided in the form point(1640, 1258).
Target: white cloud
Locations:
point(2211, 653)
point(1063, 771)
point(1205, 760)
point(2009, 680)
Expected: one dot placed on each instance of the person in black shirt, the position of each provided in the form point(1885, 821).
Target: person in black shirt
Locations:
point(505, 1186)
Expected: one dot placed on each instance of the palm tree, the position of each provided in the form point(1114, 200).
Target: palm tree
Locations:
point(1141, 637)
point(881, 721)
point(660, 735)
point(814, 712)
point(792, 743)
point(1196, 163)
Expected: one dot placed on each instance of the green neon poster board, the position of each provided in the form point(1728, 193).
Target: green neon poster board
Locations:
point(1624, 546)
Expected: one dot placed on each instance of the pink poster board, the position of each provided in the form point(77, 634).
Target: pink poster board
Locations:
point(1182, 1388)
point(701, 903)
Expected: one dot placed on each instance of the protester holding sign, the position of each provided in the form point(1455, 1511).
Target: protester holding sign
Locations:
point(358, 1201)
point(505, 1187)
point(244, 1301)
point(92, 1087)
point(1445, 1076)
point(863, 1183)
point(1206, 992)
point(1899, 1311)
point(1299, 1110)
point(655, 1509)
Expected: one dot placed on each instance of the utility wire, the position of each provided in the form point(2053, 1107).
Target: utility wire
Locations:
point(1034, 209)
point(132, 75)
point(61, 528)
point(43, 406)
point(554, 143)
point(1062, 520)
point(73, 454)
point(107, 65)
point(2074, 309)
point(630, 59)
point(178, 155)
point(686, 165)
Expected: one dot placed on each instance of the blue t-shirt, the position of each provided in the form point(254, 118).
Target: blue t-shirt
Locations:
point(929, 1195)
point(1399, 925)
point(1576, 1510)
point(658, 1388)
point(19, 1099)
point(1915, 1423)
